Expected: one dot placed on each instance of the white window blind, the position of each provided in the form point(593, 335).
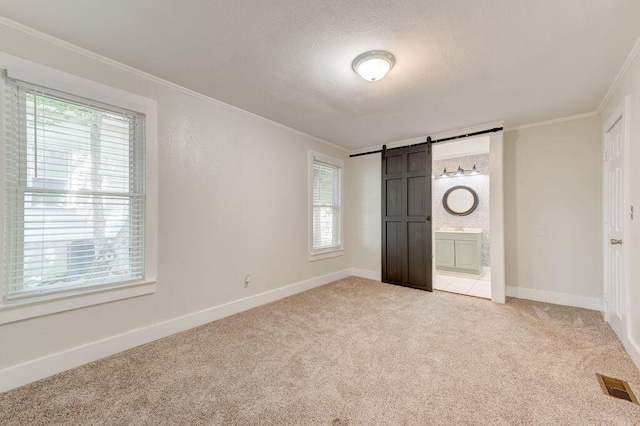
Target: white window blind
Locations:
point(327, 206)
point(74, 193)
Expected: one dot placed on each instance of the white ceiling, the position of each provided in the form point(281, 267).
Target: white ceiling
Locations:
point(458, 63)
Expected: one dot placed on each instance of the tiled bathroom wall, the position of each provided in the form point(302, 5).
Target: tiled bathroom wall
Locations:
point(479, 183)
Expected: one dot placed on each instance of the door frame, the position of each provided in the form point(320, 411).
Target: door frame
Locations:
point(621, 111)
point(496, 217)
point(496, 211)
point(496, 176)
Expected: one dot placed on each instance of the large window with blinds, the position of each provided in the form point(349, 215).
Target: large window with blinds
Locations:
point(74, 194)
point(326, 206)
point(74, 190)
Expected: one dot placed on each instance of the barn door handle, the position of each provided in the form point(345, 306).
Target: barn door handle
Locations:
point(614, 241)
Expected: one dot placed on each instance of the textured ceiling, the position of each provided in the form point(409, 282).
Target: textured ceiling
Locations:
point(458, 63)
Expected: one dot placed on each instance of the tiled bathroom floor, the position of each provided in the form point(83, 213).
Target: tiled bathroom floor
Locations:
point(463, 284)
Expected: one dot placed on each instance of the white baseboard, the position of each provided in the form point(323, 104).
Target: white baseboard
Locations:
point(633, 349)
point(593, 303)
point(49, 365)
point(364, 273)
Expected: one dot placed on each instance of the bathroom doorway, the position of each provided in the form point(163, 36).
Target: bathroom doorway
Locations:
point(462, 217)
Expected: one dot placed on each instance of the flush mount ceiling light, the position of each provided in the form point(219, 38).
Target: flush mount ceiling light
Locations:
point(373, 65)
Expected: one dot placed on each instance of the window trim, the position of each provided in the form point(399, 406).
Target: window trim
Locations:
point(315, 255)
point(21, 69)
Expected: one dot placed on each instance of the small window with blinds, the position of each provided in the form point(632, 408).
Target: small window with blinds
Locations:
point(326, 206)
point(74, 193)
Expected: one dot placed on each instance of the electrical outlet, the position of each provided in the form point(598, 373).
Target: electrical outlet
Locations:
point(247, 281)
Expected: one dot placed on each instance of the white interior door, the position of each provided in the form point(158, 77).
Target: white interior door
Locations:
point(615, 297)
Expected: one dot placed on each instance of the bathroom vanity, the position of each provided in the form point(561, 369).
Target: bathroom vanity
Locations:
point(459, 250)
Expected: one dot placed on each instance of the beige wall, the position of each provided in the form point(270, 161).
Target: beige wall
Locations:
point(365, 208)
point(232, 201)
point(552, 185)
point(630, 85)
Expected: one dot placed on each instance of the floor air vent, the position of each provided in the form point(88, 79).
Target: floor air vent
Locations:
point(616, 388)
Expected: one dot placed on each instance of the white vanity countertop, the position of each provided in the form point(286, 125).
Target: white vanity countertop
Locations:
point(463, 231)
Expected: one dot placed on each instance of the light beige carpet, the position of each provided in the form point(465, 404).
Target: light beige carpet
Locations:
point(353, 352)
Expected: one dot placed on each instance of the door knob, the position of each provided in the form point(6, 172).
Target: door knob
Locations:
point(428, 218)
point(614, 241)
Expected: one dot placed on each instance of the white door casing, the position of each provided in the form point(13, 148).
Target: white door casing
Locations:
point(496, 208)
point(615, 184)
point(496, 202)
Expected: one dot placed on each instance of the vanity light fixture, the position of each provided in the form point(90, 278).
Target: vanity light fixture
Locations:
point(373, 65)
point(459, 172)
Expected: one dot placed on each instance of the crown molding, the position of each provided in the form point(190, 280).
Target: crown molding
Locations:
point(616, 81)
point(150, 77)
point(553, 121)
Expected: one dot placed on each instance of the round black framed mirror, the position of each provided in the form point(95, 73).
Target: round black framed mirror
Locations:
point(460, 200)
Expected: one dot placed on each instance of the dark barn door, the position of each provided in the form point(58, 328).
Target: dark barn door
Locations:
point(406, 217)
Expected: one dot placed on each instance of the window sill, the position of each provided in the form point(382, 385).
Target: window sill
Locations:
point(19, 312)
point(325, 255)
